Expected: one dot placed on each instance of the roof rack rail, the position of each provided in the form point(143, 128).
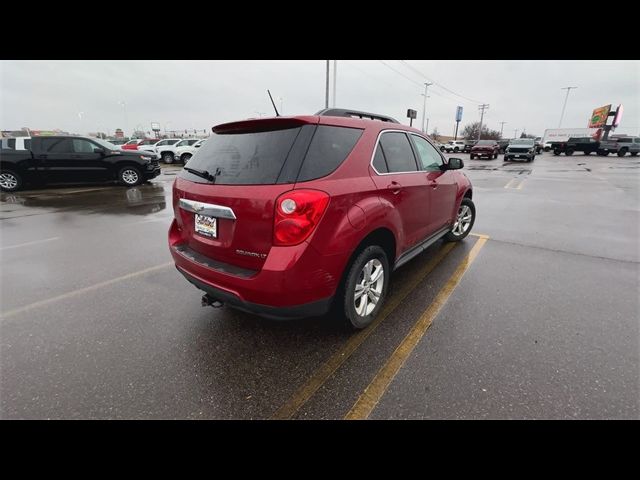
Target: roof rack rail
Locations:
point(342, 112)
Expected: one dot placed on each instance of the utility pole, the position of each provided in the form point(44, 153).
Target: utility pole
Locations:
point(568, 89)
point(326, 94)
point(335, 73)
point(515, 133)
point(424, 104)
point(501, 127)
point(482, 108)
point(427, 130)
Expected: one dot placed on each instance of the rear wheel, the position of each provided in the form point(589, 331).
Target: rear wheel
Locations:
point(471, 157)
point(568, 152)
point(633, 154)
point(587, 152)
point(556, 152)
point(495, 155)
point(130, 176)
point(622, 152)
point(10, 181)
point(456, 150)
point(185, 158)
point(366, 286)
point(465, 218)
point(167, 157)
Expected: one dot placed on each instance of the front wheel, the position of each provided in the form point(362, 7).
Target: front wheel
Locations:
point(167, 157)
point(495, 155)
point(366, 286)
point(10, 181)
point(185, 158)
point(465, 219)
point(633, 154)
point(568, 153)
point(456, 150)
point(622, 153)
point(130, 176)
point(556, 152)
point(471, 157)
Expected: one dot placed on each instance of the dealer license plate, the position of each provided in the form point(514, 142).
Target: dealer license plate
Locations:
point(206, 226)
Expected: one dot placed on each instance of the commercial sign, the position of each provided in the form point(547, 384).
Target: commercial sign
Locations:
point(599, 117)
point(616, 119)
point(155, 126)
point(459, 114)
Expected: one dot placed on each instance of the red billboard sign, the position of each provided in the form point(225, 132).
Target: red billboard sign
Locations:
point(599, 117)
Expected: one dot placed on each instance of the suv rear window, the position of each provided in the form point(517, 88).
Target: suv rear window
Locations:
point(253, 158)
point(329, 148)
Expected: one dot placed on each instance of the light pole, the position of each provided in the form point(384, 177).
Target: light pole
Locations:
point(335, 73)
point(482, 108)
point(515, 133)
point(568, 89)
point(501, 127)
point(424, 103)
point(326, 93)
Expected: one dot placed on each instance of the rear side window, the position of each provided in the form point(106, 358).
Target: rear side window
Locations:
point(379, 163)
point(329, 147)
point(27, 144)
point(253, 158)
point(56, 145)
point(11, 143)
point(398, 152)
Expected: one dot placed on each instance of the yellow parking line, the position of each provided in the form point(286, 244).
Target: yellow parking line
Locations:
point(320, 376)
point(47, 301)
point(508, 185)
point(378, 386)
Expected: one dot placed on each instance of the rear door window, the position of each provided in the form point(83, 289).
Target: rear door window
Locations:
point(398, 152)
point(252, 158)
point(57, 145)
point(329, 148)
point(11, 143)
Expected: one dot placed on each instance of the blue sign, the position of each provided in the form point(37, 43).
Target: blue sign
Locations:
point(459, 114)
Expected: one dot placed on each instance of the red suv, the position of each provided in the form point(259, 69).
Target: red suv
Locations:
point(287, 217)
point(485, 148)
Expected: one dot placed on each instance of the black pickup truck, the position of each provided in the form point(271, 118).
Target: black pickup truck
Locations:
point(71, 159)
point(586, 145)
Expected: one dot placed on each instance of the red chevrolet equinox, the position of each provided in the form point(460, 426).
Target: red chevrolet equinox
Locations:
point(290, 217)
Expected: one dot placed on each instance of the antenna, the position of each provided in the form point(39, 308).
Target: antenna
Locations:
point(273, 103)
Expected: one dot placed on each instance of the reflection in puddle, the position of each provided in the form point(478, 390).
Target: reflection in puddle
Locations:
point(141, 200)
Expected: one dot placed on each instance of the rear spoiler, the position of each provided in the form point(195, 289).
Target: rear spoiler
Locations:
point(264, 124)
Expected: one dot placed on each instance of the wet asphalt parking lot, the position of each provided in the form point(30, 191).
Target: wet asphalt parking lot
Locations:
point(534, 316)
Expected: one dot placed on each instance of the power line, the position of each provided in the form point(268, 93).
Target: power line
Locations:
point(416, 83)
point(438, 84)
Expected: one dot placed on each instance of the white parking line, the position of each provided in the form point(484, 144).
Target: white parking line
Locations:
point(30, 243)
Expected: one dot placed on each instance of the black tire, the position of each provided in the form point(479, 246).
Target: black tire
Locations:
point(622, 152)
point(456, 150)
point(453, 237)
point(10, 181)
point(130, 176)
point(506, 158)
point(633, 154)
point(185, 158)
point(532, 158)
point(603, 153)
point(546, 149)
point(167, 157)
point(587, 153)
point(568, 152)
point(495, 155)
point(354, 276)
point(556, 152)
point(471, 157)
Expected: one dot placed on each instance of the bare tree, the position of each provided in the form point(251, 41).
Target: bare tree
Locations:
point(470, 132)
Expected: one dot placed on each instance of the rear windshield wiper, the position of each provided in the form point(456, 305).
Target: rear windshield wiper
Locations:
point(202, 173)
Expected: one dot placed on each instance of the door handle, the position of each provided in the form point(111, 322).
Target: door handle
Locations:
point(395, 187)
point(433, 184)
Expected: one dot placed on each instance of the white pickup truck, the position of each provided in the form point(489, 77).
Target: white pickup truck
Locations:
point(16, 143)
point(185, 152)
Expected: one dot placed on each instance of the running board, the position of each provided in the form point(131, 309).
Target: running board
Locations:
point(421, 247)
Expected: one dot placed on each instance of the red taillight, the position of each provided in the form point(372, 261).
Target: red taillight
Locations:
point(297, 214)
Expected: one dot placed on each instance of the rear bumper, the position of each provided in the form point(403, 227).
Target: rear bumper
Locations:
point(293, 282)
point(311, 309)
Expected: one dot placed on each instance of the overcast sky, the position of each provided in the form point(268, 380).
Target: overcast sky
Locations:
point(86, 96)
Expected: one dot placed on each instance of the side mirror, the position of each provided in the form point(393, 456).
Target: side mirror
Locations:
point(99, 150)
point(455, 164)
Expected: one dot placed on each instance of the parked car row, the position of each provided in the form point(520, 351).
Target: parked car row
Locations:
point(620, 145)
point(170, 150)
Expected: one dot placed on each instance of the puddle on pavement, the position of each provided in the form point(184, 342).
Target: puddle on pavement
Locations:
point(141, 200)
